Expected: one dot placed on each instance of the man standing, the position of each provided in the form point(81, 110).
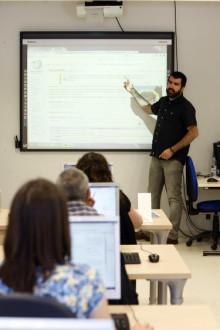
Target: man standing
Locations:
point(175, 129)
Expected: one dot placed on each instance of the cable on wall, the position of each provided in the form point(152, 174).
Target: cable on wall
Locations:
point(176, 48)
point(119, 24)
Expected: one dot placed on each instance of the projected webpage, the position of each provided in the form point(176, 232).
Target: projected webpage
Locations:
point(74, 97)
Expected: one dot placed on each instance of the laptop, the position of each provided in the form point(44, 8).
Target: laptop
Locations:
point(67, 165)
point(95, 240)
point(30, 323)
point(106, 196)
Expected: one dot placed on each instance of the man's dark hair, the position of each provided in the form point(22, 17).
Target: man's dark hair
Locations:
point(177, 75)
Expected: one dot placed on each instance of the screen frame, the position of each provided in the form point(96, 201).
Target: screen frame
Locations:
point(82, 35)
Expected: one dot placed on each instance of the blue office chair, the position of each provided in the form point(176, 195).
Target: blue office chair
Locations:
point(28, 305)
point(210, 206)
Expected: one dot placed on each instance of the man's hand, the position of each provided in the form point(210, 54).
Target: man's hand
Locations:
point(128, 86)
point(166, 154)
point(90, 201)
point(145, 326)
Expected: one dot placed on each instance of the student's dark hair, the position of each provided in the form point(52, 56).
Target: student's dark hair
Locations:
point(37, 234)
point(95, 166)
point(177, 75)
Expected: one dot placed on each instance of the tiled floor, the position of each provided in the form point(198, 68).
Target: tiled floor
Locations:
point(204, 286)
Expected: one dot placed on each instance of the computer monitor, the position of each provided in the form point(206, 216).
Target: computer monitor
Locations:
point(67, 165)
point(216, 151)
point(95, 240)
point(106, 196)
point(30, 323)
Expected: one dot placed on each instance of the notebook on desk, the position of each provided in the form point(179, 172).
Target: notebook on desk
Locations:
point(144, 206)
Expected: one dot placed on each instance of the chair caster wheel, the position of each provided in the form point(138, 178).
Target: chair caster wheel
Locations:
point(188, 243)
point(214, 246)
point(199, 240)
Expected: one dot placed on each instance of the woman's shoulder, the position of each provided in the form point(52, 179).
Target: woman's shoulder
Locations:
point(78, 286)
point(77, 271)
point(70, 278)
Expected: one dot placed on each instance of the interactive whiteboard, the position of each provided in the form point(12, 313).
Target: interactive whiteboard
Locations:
point(72, 94)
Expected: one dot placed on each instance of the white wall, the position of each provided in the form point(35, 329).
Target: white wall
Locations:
point(198, 27)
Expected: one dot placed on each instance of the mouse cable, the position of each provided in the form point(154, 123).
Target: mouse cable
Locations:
point(145, 250)
point(133, 313)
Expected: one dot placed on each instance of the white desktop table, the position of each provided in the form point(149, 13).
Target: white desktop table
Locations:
point(159, 227)
point(171, 271)
point(190, 317)
point(203, 183)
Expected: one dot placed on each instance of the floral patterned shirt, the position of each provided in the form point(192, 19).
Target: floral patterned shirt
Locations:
point(79, 287)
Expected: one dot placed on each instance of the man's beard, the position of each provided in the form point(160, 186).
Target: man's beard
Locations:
point(172, 94)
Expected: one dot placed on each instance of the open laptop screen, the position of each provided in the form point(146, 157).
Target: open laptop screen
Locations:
point(65, 166)
point(26, 323)
point(106, 196)
point(95, 241)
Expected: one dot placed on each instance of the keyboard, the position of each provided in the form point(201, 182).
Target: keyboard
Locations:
point(131, 258)
point(121, 321)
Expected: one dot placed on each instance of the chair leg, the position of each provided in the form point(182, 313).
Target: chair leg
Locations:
point(198, 237)
point(215, 231)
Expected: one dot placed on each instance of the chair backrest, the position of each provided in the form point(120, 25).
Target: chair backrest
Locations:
point(28, 305)
point(191, 180)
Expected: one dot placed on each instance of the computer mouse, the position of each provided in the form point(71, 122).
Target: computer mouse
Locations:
point(212, 180)
point(154, 257)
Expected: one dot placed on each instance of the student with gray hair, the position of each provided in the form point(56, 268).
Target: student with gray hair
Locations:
point(74, 183)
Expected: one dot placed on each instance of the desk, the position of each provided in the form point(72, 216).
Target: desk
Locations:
point(195, 317)
point(159, 227)
point(170, 271)
point(202, 183)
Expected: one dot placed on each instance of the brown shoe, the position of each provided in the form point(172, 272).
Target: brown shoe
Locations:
point(141, 235)
point(172, 241)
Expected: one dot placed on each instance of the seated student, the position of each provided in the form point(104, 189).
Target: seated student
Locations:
point(96, 168)
point(37, 254)
point(74, 183)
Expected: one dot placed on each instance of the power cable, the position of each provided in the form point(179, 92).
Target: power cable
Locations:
point(119, 24)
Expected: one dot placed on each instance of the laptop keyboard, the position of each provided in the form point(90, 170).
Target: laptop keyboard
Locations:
point(131, 258)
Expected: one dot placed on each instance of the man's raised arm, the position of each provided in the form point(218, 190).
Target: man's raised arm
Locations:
point(140, 100)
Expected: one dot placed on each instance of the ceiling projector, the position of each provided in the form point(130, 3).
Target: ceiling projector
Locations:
point(109, 8)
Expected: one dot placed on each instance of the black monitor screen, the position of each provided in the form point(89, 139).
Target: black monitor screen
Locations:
point(72, 94)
